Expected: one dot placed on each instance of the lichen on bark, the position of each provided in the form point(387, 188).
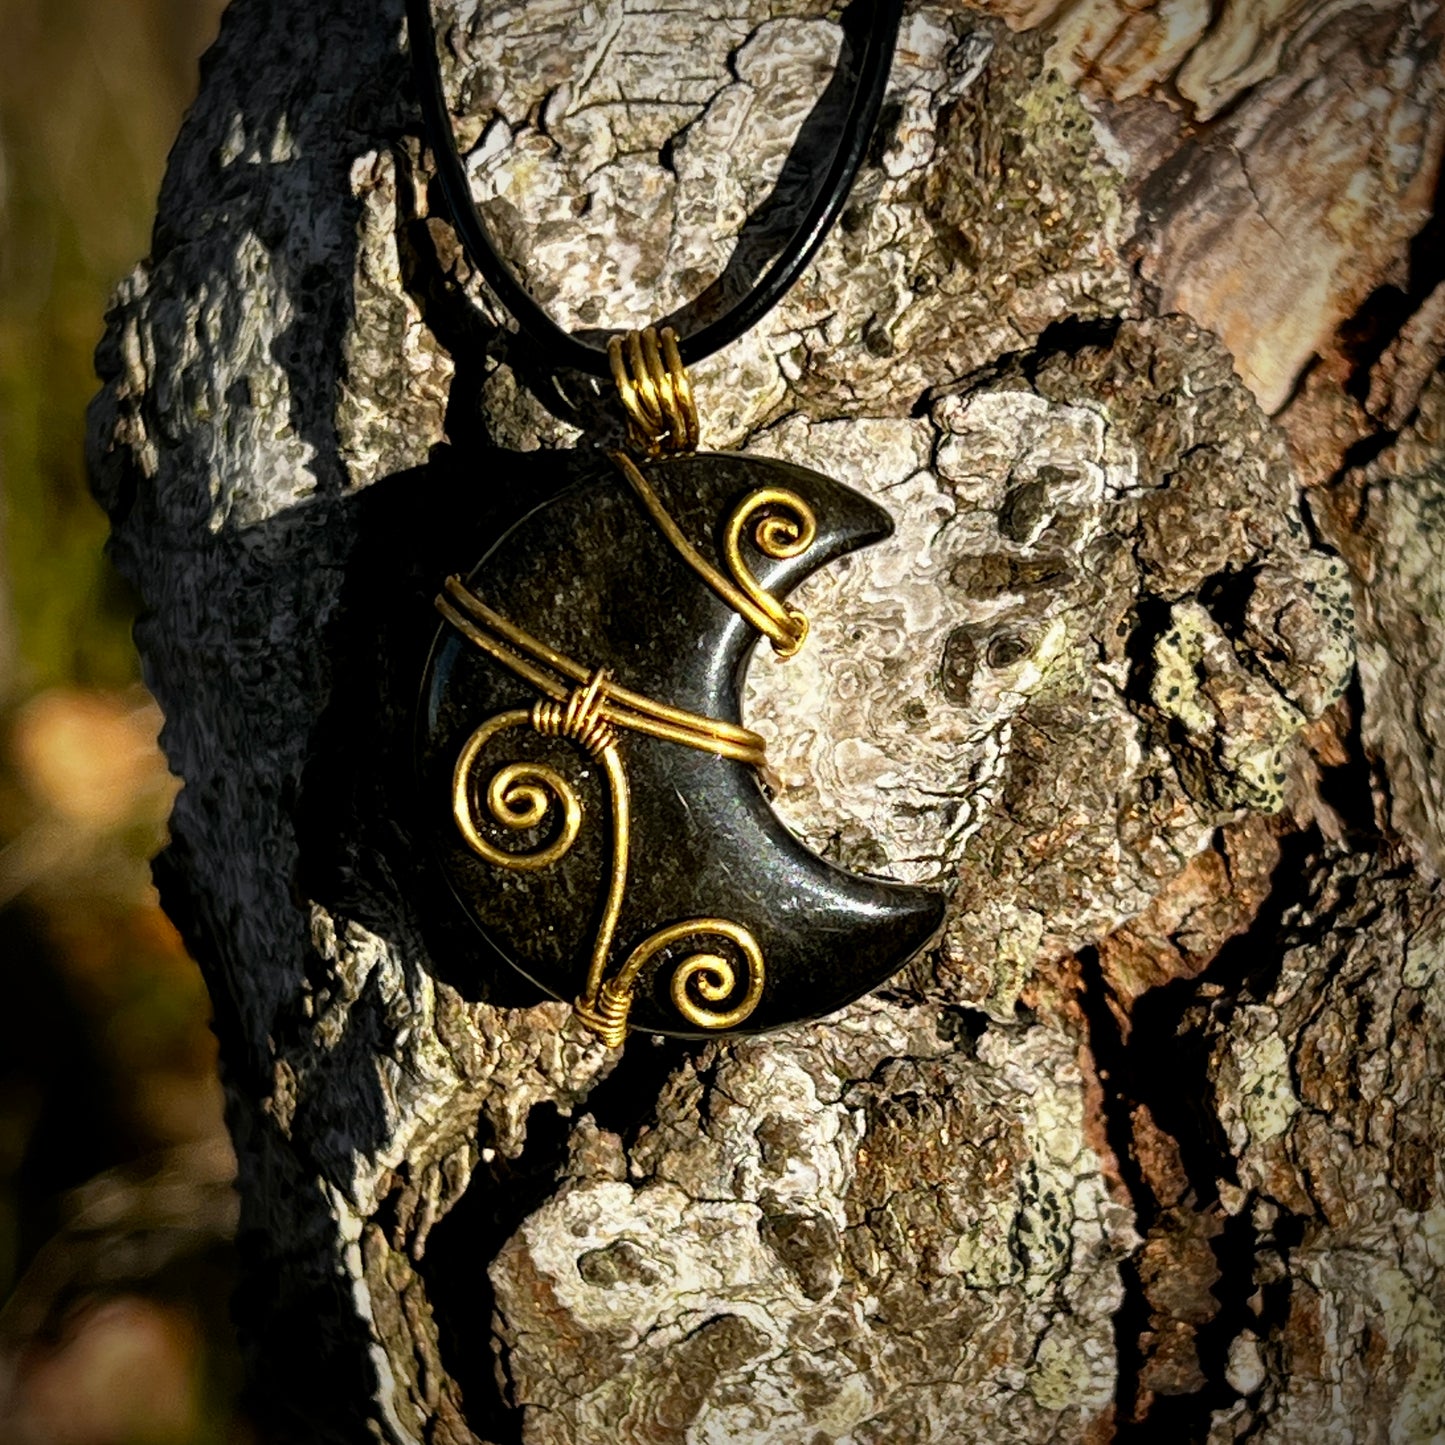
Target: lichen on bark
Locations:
point(1047, 581)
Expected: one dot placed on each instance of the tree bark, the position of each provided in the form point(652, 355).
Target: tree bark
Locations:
point(1134, 325)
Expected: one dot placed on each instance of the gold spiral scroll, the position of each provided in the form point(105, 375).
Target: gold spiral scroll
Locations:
point(785, 527)
point(653, 386)
point(520, 796)
point(712, 975)
point(517, 799)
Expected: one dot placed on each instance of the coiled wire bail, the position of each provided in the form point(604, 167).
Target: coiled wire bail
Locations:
point(655, 391)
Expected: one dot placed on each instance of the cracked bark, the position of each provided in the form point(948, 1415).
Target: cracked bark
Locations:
point(1134, 325)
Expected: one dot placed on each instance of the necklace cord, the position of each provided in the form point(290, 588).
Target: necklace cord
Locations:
point(568, 352)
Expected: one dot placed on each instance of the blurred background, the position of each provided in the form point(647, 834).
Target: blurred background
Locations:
point(116, 1211)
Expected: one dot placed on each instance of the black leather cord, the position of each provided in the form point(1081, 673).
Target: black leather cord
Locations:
point(565, 351)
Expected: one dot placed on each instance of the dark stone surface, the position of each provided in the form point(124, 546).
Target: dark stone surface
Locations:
point(589, 573)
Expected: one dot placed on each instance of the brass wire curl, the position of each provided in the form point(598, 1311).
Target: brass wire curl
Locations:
point(655, 391)
point(711, 974)
point(520, 795)
point(517, 799)
point(785, 527)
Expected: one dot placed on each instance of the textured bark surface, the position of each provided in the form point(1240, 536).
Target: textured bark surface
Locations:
point(1134, 325)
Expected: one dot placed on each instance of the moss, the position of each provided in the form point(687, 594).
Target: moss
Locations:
point(1023, 190)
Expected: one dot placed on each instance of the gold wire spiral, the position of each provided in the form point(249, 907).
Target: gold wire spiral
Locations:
point(521, 795)
point(655, 391)
point(786, 527)
point(711, 974)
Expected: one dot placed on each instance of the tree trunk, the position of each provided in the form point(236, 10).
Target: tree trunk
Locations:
point(1133, 324)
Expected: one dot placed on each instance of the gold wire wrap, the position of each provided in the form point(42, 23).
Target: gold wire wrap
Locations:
point(520, 796)
point(580, 719)
point(655, 391)
point(521, 653)
point(785, 527)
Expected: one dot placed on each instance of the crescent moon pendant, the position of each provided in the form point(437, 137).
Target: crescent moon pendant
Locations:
point(593, 794)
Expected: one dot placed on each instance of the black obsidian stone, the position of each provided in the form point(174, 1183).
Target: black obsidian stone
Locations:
point(589, 573)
